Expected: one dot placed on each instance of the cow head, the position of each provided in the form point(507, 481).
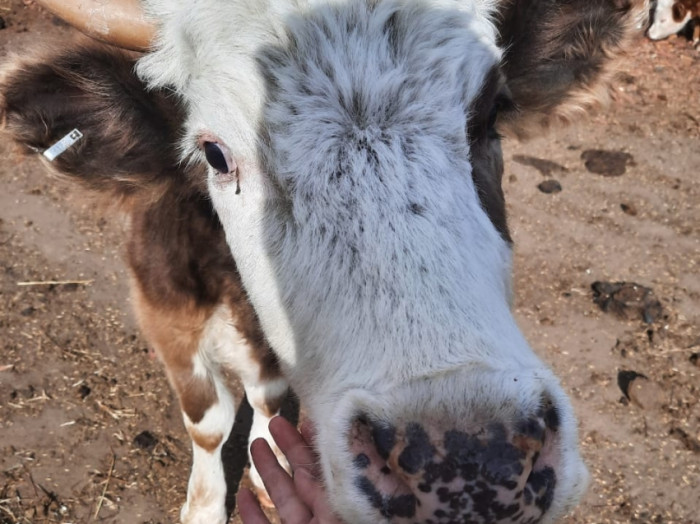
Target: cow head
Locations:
point(356, 167)
point(670, 16)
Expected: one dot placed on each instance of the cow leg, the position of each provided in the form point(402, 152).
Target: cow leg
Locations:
point(265, 389)
point(187, 339)
point(265, 397)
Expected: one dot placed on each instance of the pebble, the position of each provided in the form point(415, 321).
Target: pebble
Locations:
point(646, 394)
point(145, 440)
point(84, 391)
point(625, 379)
point(628, 209)
point(549, 186)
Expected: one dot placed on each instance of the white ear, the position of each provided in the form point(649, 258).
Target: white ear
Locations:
point(560, 55)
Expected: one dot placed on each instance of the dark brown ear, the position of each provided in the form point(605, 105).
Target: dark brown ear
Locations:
point(560, 54)
point(679, 11)
point(129, 133)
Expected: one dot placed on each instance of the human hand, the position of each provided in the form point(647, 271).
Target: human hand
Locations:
point(299, 499)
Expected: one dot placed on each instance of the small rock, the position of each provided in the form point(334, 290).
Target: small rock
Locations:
point(145, 440)
point(695, 359)
point(625, 379)
point(606, 163)
point(627, 299)
point(27, 311)
point(549, 186)
point(641, 391)
point(646, 394)
point(3, 24)
point(84, 391)
point(628, 209)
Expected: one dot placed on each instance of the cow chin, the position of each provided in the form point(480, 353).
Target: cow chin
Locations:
point(470, 446)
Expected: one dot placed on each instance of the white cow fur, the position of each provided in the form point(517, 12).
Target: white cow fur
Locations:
point(366, 311)
point(664, 25)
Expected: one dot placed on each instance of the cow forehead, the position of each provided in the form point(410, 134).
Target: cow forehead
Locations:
point(210, 52)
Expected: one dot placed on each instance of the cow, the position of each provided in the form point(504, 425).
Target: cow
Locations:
point(671, 17)
point(315, 200)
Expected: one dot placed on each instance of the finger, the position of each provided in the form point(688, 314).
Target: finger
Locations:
point(279, 484)
point(249, 509)
point(314, 496)
point(299, 453)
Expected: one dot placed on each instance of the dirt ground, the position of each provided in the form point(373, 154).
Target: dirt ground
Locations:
point(90, 431)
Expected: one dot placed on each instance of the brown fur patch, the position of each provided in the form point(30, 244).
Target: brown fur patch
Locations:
point(682, 7)
point(208, 443)
point(175, 333)
point(128, 132)
point(181, 265)
point(561, 56)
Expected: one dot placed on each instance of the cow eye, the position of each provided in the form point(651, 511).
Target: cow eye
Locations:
point(216, 157)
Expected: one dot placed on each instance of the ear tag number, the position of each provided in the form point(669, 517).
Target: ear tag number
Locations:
point(62, 145)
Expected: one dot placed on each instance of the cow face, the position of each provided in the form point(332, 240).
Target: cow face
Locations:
point(355, 165)
point(670, 16)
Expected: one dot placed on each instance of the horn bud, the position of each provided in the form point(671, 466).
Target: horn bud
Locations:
point(118, 22)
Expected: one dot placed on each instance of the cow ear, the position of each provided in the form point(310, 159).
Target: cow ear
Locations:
point(560, 55)
point(128, 132)
point(679, 11)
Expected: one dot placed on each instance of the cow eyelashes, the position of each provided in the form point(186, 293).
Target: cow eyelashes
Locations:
point(217, 157)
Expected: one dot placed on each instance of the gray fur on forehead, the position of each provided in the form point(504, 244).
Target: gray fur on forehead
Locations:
point(361, 82)
point(365, 117)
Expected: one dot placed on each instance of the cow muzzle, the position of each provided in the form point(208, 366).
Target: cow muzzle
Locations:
point(422, 472)
point(458, 453)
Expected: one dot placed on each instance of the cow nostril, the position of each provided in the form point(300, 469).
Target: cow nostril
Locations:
point(551, 417)
point(384, 437)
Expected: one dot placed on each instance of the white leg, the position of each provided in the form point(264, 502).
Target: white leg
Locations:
point(184, 339)
point(265, 397)
point(259, 373)
point(206, 491)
